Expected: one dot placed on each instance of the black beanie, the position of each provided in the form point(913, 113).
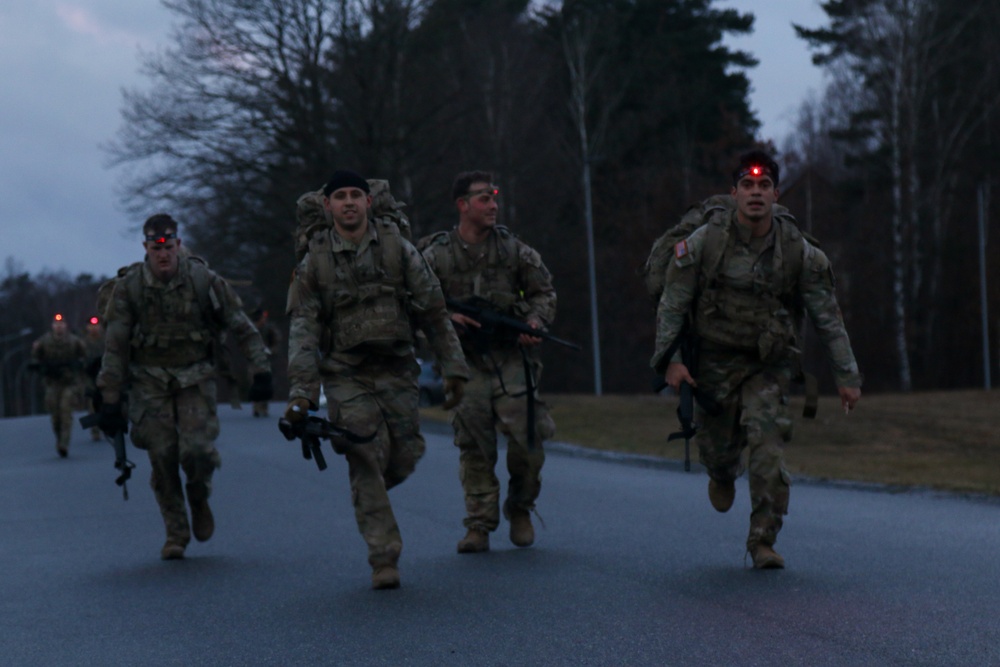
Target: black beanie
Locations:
point(343, 178)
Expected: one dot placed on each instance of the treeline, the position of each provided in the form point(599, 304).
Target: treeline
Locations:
point(633, 105)
point(28, 304)
point(898, 164)
point(256, 103)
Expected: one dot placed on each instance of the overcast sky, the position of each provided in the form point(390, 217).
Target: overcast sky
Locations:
point(63, 64)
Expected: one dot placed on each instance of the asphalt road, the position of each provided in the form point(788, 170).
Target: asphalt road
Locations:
point(633, 567)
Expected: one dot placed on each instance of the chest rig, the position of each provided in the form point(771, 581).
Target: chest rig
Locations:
point(63, 350)
point(755, 307)
point(173, 323)
point(491, 275)
point(363, 294)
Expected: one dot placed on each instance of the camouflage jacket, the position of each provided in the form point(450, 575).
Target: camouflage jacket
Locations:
point(350, 302)
point(166, 331)
point(752, 299)
point(502, 269)
point(60, 359)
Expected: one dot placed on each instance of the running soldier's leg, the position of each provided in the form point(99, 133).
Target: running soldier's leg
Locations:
point(720, 438)
point(398, 395)
point(51, 404)
point(768, 426)
point(154, 428)
point(524, 464)
point(67, 399)
point(198, 428)
point(476, 439)
point(351, 406)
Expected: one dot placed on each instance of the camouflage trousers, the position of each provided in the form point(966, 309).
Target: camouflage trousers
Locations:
point(177, 426)
point(380, 394)
point(497, 401)
point(60, 400)
point(89, 390)
point(754, 397)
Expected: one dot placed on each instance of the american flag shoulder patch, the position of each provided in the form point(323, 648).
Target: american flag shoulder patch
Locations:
point(681, 250)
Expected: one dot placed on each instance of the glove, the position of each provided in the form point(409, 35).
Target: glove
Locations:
point(112, 420)
point(262, 389)
point(296, 410)
point(454, 390)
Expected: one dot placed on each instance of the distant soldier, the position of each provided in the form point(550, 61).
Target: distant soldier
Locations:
point(271, 336)
point(93, 340)
point(479, 259)
point(742, 281)
point(59, 356)
point(162, 319)
point(353, 302)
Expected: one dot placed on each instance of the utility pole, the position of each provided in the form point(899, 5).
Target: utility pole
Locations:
point(983, 301)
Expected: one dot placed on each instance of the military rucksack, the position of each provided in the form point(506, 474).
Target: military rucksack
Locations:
point(385, 207)
point(716, 208)
point(312, 217)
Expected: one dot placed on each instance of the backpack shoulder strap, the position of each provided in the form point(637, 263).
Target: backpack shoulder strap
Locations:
point(716, 240)
point(202, 279)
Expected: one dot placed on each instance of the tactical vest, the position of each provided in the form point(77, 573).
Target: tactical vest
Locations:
point(363, 304)
point(494, 279)
point(172, 328)
point(60, 357)
point(763, 317)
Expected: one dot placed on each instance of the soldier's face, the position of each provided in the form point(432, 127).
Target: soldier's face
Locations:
point(754, 197)
point(163, 258)
point(59, 328)
point(348, 207)
point(480, 206)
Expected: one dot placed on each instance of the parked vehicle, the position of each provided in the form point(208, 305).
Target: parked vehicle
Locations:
point(431, 384)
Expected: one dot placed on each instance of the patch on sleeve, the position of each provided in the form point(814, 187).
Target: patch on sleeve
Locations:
point(681, 250)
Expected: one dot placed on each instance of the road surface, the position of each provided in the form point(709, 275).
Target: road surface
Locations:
point(632, 567)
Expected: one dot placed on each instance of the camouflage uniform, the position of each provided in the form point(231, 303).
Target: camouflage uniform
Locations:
point(159, 346)
point(271, 336)
point(746, 312)
point(352, 309)
point(94, 344)
point(511, 276)
point(60, 360)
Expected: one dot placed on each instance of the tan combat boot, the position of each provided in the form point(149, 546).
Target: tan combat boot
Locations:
point(385, 577)
point(721, 494)
point(522, 533)
point(766, 558)
point(475, 541)
point(172, 551)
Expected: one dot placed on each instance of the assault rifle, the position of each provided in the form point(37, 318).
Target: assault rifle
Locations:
point(312, 429)
point(493, 324)
point(688, 345)
point(117, 438)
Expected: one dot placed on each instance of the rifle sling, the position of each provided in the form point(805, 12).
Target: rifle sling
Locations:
point(812, 396)
point(529, 391)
